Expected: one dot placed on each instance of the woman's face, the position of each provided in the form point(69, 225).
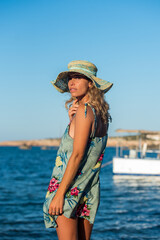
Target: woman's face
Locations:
point(78, 86)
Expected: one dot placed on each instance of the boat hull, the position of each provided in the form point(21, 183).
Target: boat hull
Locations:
point(136, 166)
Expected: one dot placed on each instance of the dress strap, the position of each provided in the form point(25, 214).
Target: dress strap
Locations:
point(95, 118)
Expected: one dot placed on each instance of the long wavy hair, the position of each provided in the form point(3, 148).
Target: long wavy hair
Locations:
point(96, 99)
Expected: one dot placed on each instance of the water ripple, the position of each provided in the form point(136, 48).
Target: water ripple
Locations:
point(129, 208)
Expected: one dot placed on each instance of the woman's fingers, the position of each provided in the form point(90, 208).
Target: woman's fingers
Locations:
point(55, 211)
point(73, 108)
point(60, 210)
point(74, 105)
point(51, 211)
point(61, 206)
point(75, 102)
point(72, 111)
point(56, 207)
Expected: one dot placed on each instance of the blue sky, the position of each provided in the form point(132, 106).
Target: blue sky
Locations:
point(38, 40)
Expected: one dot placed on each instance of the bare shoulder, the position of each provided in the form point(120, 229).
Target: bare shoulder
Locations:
point(81, 112)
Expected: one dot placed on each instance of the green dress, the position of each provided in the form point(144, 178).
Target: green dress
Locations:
point(83, 196)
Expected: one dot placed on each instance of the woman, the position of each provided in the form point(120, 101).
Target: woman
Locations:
point(73, 194)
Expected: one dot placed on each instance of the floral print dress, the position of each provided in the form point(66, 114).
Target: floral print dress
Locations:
point(83, 196)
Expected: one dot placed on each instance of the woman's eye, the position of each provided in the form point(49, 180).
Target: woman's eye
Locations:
point(75, 78)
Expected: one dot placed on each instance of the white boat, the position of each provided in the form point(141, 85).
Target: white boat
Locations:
point(137, 162)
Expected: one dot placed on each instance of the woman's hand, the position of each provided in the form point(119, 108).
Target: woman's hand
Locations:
point(73, 109)
point(56, 205)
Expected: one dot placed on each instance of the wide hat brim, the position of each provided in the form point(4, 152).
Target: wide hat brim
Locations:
point(61, 82)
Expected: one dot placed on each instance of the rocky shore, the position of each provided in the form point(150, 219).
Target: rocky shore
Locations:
point(112, 142)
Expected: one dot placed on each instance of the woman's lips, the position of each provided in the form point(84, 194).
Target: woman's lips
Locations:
point(73, 90)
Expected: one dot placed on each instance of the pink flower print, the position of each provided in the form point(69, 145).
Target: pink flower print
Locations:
point(79, 210)
point(74, 191)
point(100, 158)
point(79, 172)
point(85, 211)
point(82, 210)
point(53, 185)
point(53, 181)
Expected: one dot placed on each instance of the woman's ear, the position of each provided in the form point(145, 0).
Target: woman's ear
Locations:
point(90, 84)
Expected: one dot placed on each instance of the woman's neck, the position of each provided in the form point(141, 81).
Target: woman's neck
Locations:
point(83, 100)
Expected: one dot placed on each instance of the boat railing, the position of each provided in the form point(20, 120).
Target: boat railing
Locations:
point(140, 150)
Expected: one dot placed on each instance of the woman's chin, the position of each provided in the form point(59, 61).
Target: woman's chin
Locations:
point(73, 94)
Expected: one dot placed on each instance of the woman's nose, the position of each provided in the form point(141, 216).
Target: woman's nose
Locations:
point(71, 82)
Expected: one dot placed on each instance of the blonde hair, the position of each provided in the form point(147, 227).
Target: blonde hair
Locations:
point(97, 100)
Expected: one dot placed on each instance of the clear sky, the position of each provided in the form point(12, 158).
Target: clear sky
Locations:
point(39, 38)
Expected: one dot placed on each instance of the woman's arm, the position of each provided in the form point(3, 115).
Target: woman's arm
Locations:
point(82, 132)
point(73, 109)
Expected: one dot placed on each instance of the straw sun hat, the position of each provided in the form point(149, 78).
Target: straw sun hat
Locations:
point(84, 67)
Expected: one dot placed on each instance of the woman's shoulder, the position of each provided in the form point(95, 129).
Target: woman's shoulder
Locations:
point(86, 111)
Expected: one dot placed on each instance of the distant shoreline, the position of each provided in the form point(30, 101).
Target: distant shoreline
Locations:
point(37, 142)
point(55, 142)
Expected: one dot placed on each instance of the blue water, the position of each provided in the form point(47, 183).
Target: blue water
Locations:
point(129, 207)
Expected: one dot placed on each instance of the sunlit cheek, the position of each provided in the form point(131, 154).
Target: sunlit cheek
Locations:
point(69, 84)
point(84, 89)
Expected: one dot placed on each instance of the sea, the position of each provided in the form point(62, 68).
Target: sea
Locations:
point(129, 205)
